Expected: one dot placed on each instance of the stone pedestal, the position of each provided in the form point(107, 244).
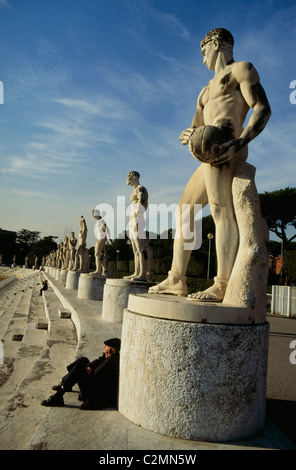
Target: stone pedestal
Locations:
point(116, 293)
point(72, 280)
point(191, 376)
point(91, 286)
point(63, 277)
point(57, 274)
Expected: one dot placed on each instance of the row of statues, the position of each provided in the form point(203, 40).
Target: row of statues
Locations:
point(67, 257)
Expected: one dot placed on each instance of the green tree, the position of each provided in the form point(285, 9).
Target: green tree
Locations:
point(42, 248)
point(7, 245)
point(122, 246)
point(25, 239)
point(279, 210)
point(289, 266)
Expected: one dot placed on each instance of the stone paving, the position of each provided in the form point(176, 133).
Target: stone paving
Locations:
point(35, 358)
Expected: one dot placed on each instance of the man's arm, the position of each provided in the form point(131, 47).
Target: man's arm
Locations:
point(197, 119)
point(255, 97)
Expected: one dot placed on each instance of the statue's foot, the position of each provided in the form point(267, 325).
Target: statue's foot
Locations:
point(174, 284)
point(131, 277)
point(215, 293)
point(139, 278)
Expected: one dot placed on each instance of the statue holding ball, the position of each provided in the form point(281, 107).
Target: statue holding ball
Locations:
point(218, 139)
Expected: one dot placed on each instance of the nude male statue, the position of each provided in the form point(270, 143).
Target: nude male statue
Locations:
point(103, 236)
point(72, 242)
point(139, 204)
point(82, 253)
point(223, 103)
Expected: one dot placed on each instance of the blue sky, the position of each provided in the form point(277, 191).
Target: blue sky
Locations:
point(94, 89)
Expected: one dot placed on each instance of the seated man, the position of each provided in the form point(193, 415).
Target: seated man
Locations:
point(44, 287)
point(97, 380)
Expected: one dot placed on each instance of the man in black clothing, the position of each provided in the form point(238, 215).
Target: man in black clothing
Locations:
point(97, 380)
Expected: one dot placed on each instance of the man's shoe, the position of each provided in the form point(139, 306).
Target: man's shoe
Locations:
point(81, 397)
point(53, 400)
point(59, 386)
point(86, 405)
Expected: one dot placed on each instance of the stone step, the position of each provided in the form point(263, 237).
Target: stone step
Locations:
point(21, 347)
point(22, 408)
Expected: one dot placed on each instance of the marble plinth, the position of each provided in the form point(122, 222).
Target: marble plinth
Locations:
point(91, 286)
point(57, 274)
point(116, 294)
point(193, 377)
point(63, 277)
point(72, 280)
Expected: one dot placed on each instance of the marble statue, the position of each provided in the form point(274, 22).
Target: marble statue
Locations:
point(137, 233)
point(64, 253)
point(102, 233)
point(72, 242)
point(59, 256)
point(218, 139)
point(82, 255)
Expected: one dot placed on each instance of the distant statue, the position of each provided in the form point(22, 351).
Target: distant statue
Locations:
point(102, 233)
point(82, 255)
point(72, 242)
point(26, 261)
point(137, 232)
point(218, 139)
point(64, 253)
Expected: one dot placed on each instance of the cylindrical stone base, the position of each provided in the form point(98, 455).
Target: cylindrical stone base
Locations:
point(72, 280)
point(116, 294)
point(63, 277)
point(196, 381)
point(91, 287)
point(57, 274)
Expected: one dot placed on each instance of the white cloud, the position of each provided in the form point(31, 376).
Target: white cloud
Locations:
point(26, 193)
point(4, 3)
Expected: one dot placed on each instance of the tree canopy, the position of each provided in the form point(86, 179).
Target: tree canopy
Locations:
point(279, 210)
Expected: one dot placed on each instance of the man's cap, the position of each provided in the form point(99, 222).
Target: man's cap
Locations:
point(113, 343)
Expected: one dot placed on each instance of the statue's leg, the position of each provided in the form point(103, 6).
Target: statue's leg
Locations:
point(141, 276)
point(219, 187)
point(136, 259)
point(98, 251)
point(195, 193)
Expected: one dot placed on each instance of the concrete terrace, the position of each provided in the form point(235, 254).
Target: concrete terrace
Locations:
point(41, 335)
